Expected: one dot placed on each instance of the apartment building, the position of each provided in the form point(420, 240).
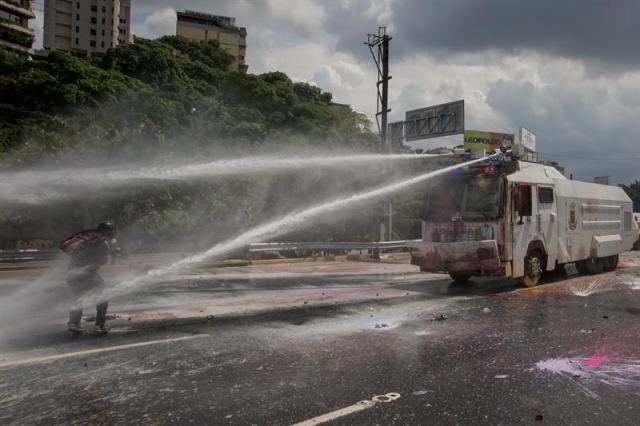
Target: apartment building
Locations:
point(204, 27)
point(86, 27)
point(15, 35)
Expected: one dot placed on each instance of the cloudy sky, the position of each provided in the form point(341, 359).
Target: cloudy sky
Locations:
point(568, 70)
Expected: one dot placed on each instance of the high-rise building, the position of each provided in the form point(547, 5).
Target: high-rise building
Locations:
point(204, 27)
point(86, 27)
point(15, 34)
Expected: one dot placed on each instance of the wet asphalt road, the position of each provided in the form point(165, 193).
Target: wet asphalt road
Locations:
point(488, 353)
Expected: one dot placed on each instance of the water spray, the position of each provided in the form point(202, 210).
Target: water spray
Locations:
point(281, 226)
point(37, 187)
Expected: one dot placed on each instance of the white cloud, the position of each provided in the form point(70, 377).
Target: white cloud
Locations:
point(303, 14)
point(159, 23)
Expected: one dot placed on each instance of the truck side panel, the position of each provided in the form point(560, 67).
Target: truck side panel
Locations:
point(595, 221)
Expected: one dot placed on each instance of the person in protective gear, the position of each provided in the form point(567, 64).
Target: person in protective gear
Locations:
point(88, 251)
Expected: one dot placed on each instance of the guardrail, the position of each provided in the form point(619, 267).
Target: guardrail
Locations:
point(293, 249)
point(16, 256)
point(312, 248)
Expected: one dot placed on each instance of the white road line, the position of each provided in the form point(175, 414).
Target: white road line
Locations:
point(359, 406)
point(96, 351)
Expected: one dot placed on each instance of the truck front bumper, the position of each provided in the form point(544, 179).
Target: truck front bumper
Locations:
point(474, 257)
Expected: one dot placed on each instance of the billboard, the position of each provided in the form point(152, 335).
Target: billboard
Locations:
point(438, 120)
point(489, 141)
point(528, 139)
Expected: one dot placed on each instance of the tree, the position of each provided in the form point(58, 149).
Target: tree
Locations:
point(633, 191)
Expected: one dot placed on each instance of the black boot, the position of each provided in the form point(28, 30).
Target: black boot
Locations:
point(101, 319)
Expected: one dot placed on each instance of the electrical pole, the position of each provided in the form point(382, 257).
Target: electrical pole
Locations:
point(379, 48)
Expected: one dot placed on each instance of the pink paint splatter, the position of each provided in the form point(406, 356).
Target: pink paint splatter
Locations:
point(595, 361)
point(590, 373)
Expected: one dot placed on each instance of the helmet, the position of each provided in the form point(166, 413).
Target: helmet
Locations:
point(107, 228)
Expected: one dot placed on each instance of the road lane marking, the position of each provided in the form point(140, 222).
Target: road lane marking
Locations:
point(358, 406)
point(96, 351)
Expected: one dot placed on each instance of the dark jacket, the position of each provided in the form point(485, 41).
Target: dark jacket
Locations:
point(87, 249)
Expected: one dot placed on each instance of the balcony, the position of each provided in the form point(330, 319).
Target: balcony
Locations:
point(16, 47)
point(16, 34)
point(21, 8)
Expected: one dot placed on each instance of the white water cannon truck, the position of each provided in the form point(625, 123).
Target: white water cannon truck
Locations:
point(507, 217)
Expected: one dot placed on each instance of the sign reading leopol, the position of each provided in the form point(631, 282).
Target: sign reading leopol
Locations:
point(528, 139)
point(489, 141)
point(434, 121)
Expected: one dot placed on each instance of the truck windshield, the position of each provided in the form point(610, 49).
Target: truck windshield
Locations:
point(473, 198)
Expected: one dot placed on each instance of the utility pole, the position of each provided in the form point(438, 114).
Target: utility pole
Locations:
point(379, 48)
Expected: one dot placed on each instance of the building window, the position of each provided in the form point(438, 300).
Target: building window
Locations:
point(121, 31)
point(77, 17)
point(123, 21)
point(92, 43)
point(93, 31)
point(77, 41)
point(102, 43)
point(102, 21)
point(77, 30)
point(94, 8)
point(77, 5)
point(104, 9)
point(103, 33)
point(94, 20)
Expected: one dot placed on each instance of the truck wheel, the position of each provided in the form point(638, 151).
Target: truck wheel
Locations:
point(593, 265)
point(580, 267)
point(460, 277)
point(611, 263)
point(533, 268)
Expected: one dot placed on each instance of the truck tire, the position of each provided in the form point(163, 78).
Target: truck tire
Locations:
point(611, 263)
point(580, 267)
point(460, 277)
point(533, 268)
point(593, 265)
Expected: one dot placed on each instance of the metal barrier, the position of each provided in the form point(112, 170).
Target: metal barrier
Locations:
point(298, 249)
point(16, 256)
point(305, 249)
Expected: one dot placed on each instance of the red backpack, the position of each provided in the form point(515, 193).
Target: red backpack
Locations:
point(72, 244)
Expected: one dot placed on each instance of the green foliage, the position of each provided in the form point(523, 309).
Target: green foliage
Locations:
point(633, 191)
point(156, 97)
point(163, 98)
point(15, 36)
